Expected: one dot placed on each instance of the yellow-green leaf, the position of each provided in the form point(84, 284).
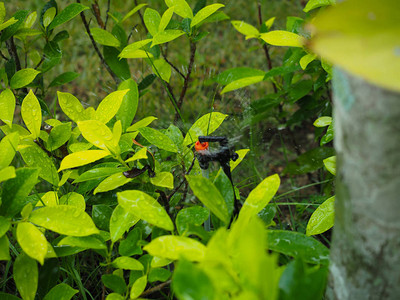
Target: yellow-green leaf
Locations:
point(8, 147)
point(99, 135)
point(242, 153)
point(85, 242)
point(131, 51)
point(312, 4)
point(205, 125)
point(71, 106)
point(204, 13)
point(26, 276)
point(32, 114)
point(237, 84)
point(323, 122)
point(23, 78)
point(64, 219)
point(73, 199)
point(182, 8)
point(330, 164)
point(133, 11)
point(82, 158)
point(8, 23)
point(48, 199)
point(105, 38)
point(248, 30)
point(4, 248)
point(2, 12)
point(145, 207)
point(174, 247)
point(7, 173)
point(32, 241)
point(152, 20)
point(30, 19)
point(306, 59)
point(112, 182)
point(365, 42)
point(7, 104)
point(322, 218)
point(282, 38)
point(49, 16)
point(162, 69)
point(260, 196)
point(269, 22)
point(166, 36)
point(109, 106)
point(127, 263)
point(166, 17)
point(158, 139)
point(138, 287)
point(121, 220)
point(142, 123)
point(163, 179)
point(141, 154)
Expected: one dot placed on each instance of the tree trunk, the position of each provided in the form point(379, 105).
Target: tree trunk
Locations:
point(365, 254)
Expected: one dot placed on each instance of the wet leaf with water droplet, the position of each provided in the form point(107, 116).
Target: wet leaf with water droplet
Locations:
point(129, 104)
point(163, 179)
point(8, 147)
point(158, 139)
point(127, 263)
point(26, 276)
point(121, 220)
point(322, 218)
point(99, 135)
point(64, 219)
point(32, 241)
point(7, 173)
point(58, 136)
point(138, 287)
point(23, 78)
point(145, 207)
point(109, 106)
point(32, 114)
point(7, 104)
point(71, 106)
point(195, 215)
point(86, 242)
point(112, 182)
point(73, 199)
point(82, 158)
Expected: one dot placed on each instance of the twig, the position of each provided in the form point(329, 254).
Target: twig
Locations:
point(2, 55)
point(141, 18)
point(40, 62)
point(12, 50)
point(187, 77)
point(108, 10)
point(172, 65)
point(85, 23)
point(97, 14)
point(155, 289)
point(182, 182)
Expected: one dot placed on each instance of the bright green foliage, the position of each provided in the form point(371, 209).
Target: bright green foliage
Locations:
point(166, 36)
point(189, 218)
point(181, 8)
point(204, 13)
point(67, 14)
point(133, 11)
point(205, 125)
point(246, 29)
point(63, 78)
point(32, 241)
point(145, 207)
point(8, 147)
point(158, 139)
point(282, 38)
point(165, 19)
point(7, 173)
point(163, 179)
point(129, 104)
point(82, 158)
point(23, 78)
point(112, 182)
point(109, 106)
point(368, 31)
point(152, 20)
point(322, 218)
point(241, 153)
point(49, 16)
point(4, 225)
point(32, 114)
point(105, 38)
point(7, 104)
point(71, 106)
point(242, 83)
point(127, 263)
point(121, 220)
point(138, 287)
point(73, 199)
point(58, 136)
point(85, 242)
point(142, 123)
point(162, 69)
point(99, 135)
point(61, 291)
point(26, 276)
point(330, 164)
point(4, 248)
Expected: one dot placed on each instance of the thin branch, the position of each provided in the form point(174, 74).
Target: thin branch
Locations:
point(108, 10)
point(172, 65)
point(12, 50)
point(155, 289)
point(2, 55)
point(85, 23)
point(97, 14)
point(141, 18)
point(182, 182)
point(186, 82)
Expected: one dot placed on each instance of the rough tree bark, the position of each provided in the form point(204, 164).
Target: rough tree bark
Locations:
point(365, 254)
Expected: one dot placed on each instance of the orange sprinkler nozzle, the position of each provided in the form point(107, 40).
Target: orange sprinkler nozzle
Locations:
point(201, 146)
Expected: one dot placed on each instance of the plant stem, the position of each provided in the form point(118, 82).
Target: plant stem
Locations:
point(12, 50)
point(187, 77)
point(108, 10)
point(85, 23)
point(97, 14)
point(141, 17)
point(172, 65)
point(155, 289)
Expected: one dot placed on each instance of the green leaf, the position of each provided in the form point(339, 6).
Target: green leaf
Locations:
point(330, 164)
point(192, 282)
point(322, 218)
point(35, 157)
point(7, 104)
point(101, 215)
point(175, 247)
point(67, 14)
point(205, 125)
point(329, 135)
point(133, 11)
point(241, 153)
point(32, 241)
point(166, 36)
point(141, 154)
point(300, 89)
point(97, 173)
point(4, 225)
point(64, 219)
point(280, 71)
point(127, 263)
point(369, 33)
point(166, 17)
point(111, 183)
point(181, 8)
point(246, 29)
point(145, 207)
point(49, 16)
point(209, 195)
point(310, 161)
point(129, 104)
point(52, 54)
point(8, 147)
point(114, 282)
point(132, 244)
point(7, 173)
point(131, 51)
point(282, 38)
point(58, 136)
point(109, 106)
point(269, 22)
point(16, 190)
point(98, 134)
point(8, 23)
point(104, 37)
point(323, 122)
point(23, 78)
point(204, 13)
point(26, 276)
point(242, 83)
point(63, 79)
point(162, 69)
point(163, 179)
point(306, 59)
point(11, 26)
point(159, 274)
point(32, 114)
point(73, 199)
point(297, 244)
point(234, 74)
point(86, 242)
point(71, 106)
point(61, 291)
point(4, 249)
point(82, 158)
point(158, 139)
point(119, 66)
point(260, 196)
point(121, 220)
point(142, 123)
point(312, 4)
point(195, 215)
point(138, 287)
point(152, 20)
point(115, 296)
